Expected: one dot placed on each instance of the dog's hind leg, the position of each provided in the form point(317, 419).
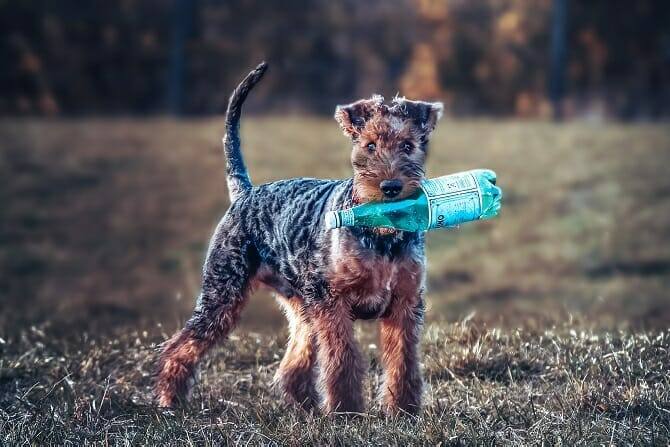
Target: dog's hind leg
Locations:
point(295, 376)
point(226, 284)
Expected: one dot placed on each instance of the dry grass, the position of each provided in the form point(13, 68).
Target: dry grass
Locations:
point(103, 228)
point(559, 387)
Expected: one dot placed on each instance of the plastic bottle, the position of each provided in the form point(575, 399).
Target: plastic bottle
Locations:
point(440, 203)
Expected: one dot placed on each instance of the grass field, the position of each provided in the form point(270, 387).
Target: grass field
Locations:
point(557, 387)
point(103, 227)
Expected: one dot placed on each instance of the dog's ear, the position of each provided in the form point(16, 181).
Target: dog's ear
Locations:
point(424, 115)
point(352, 117)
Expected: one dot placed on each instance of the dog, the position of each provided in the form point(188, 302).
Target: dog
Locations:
point(274, 235)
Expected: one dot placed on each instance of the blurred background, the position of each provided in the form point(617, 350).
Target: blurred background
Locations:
point(112, 177)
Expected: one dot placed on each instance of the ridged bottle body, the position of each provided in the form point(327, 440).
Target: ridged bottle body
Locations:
point(440, 202)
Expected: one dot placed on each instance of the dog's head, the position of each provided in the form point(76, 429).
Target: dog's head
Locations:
point(389, 145)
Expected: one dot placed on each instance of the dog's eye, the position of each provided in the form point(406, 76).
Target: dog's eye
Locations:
point(407, 147)
point(372, 147)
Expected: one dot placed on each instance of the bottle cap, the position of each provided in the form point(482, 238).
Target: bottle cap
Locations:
point(332, 220)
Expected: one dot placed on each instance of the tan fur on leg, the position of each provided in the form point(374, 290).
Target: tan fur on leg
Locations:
point(176, 368)
point(180, 355)
point(403, 384)
point(341, 366)
point(295, 376)
point(400, 333)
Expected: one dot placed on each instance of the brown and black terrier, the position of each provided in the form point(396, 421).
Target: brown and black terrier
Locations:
point(274, 235)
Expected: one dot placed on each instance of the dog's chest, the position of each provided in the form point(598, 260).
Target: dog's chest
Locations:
point(367, 279)
point(367, 284)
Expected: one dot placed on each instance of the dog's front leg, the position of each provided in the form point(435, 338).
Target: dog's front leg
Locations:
point(340, 363)
point(400, 335)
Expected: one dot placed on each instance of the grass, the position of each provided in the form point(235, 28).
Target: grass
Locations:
point(105, 222)
point(557, 387)
point(547, 325)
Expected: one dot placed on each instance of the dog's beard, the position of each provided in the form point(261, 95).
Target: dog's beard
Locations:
point(365, 192)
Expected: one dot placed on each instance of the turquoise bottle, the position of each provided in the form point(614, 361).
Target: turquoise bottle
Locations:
point(441, 202)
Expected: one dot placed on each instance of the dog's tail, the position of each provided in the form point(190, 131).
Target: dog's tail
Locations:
point(236, 171)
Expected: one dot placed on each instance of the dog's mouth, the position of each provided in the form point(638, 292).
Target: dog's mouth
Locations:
point(395, 199)
point(392, 199)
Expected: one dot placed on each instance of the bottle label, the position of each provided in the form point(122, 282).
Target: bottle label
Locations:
point(347, 217)
point(452, 199)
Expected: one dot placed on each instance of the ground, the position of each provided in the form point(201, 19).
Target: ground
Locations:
point(546, 324)
point(557, 387)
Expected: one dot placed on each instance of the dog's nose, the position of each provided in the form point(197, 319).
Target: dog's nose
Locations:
point(391, 188)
